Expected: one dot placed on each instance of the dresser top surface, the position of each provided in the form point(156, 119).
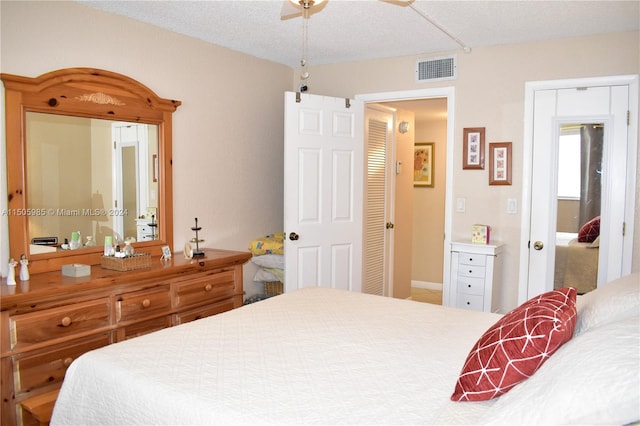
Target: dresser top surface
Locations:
point(49, 283)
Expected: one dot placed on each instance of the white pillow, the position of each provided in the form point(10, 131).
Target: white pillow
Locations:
point(592, 379)
point(618, 299)
point(264, 275)
point(269, 260)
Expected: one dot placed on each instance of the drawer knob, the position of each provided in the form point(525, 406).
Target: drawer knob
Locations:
point(67, 362)
point(66, 322)
point(469, 285)
point(468, 303)
point(208, 287)
point(146, 303)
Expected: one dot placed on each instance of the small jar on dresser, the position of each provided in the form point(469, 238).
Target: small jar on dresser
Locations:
point(476, 271)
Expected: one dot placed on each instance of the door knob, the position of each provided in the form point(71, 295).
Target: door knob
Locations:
point(389, 225)
point(538, 245)
point(293, 236)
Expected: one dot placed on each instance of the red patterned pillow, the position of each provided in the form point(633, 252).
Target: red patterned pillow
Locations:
point(589, 231)
point(517, 345)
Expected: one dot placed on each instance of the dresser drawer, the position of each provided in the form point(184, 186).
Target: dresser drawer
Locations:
point(49, 324)
point(143, 304)
point(472, 259)
point(471, 271)
point(470, 301)
point(144, 327)
point(205, 311)
point(203, 288)
point(469, 285)
point(38, 369)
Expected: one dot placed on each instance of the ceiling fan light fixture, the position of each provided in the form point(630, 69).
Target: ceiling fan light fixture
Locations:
point(306, 4)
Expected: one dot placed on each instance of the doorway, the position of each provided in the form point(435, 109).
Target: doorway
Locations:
point(130, 178)
point(552, 110)
point(428, 251)
point(447, 96)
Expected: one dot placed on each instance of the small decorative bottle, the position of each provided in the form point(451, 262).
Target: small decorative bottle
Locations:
point(108, 245)
point(128, 249)
point(90, 242)
point(75, 240)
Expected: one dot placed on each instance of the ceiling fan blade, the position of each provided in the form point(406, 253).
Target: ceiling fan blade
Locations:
point(289, 10)
point(402, 3)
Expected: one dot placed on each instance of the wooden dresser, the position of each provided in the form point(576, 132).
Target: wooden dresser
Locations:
point(50, 320)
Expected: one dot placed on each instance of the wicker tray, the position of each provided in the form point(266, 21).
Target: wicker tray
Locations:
point(273, 288)
point(137, 261)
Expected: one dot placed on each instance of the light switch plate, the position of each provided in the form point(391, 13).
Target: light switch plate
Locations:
point(460, 205)
point(512, 206)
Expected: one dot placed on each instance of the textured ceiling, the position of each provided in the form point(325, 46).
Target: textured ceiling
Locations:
point(345, 31)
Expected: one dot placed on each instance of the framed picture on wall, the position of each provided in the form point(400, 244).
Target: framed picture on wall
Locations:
point(473, 150)
point(500, 163)
point(423, 153)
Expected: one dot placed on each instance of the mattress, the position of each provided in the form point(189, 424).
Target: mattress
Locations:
point(313, 356)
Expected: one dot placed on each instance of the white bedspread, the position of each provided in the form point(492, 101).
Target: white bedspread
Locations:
point(314, 356)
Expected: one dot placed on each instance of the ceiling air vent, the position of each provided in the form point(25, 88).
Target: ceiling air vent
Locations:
point(436, 69)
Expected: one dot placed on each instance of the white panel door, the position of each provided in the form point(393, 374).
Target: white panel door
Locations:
point(551, 108)
point(323, 191)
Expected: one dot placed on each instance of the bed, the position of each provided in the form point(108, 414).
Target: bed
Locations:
point(327, 356)
point(576, 262)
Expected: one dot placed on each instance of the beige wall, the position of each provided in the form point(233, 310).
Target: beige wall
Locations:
point(227, 135)
point(428, 207)
point(489, 92)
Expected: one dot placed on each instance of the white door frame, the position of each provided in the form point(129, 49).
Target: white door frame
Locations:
point(449, 94)
point(527, 165)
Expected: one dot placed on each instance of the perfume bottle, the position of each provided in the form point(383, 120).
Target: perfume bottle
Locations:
point(128, 249)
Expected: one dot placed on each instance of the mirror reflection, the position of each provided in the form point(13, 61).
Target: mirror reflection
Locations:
point(89, 178)
point(579, 194)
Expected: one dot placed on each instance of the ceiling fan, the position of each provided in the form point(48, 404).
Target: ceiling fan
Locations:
point(305, 8)
point(294, 8)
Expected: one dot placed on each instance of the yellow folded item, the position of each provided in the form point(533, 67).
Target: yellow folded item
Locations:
point(271, 244)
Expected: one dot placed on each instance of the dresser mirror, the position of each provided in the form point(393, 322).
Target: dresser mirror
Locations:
point(88, 155)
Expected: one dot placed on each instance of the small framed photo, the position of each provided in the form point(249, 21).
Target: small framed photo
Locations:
point(166, 252)
point(473, 150)
point(423, 164)
point(500, 163)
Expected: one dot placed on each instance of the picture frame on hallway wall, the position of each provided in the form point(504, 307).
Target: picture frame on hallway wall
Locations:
point(500, 163)
point(473, 150)
point(423, 164)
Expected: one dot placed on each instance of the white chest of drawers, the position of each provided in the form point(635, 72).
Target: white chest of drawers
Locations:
point(146, 232)
point(476, 271)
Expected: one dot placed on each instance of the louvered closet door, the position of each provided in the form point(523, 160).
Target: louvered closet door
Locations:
point(378, 212)
point(323, 184)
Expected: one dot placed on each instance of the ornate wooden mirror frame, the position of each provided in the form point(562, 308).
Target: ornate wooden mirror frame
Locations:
point(91, 93)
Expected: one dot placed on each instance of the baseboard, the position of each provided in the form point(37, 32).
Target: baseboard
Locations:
point(426, 284)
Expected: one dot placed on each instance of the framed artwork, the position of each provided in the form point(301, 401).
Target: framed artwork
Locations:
point(473, 151)
point(166, 252)
point(423, 153)
point(500, 163)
